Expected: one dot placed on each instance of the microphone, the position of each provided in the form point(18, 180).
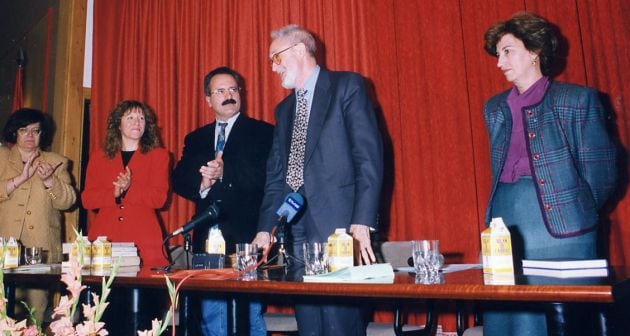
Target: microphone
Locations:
point(291, 206)
point(210, 213)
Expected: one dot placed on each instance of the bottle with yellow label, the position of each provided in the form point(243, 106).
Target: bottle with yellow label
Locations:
point(11, 253)
point(340, 250)
point(215, 244)
point(101, 253)
point(87, 251)
point(496, 251)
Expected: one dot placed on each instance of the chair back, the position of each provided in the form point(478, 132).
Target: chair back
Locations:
point(397, 253)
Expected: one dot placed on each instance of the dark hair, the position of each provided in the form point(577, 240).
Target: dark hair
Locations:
point(220, 71)
point(24, 117)
point(537, 35)
point(113, 138)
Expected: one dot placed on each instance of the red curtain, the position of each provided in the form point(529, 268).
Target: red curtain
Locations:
point(425, 65)
point(18, 100)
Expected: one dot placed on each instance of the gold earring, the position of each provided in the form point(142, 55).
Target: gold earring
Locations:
point(534, 61)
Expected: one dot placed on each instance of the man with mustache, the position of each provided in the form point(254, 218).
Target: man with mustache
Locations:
point(224, 162)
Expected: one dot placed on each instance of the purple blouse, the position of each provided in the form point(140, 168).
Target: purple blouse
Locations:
point(517, 161)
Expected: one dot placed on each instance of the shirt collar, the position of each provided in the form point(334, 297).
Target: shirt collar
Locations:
point(309, 85)
point(230, 122)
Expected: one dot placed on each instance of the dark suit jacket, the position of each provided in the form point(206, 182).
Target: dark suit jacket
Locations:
point(240, 192)
point(343, 164)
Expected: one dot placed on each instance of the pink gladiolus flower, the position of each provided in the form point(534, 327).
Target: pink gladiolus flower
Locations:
point(155, 329)
point(89, 311)
point(9, 325)
point(62, 327)
point(75, 289)
point(63, 308)
point(31, 331)
point(89, 328)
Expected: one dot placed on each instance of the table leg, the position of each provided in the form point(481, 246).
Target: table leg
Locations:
point(9, 294)
point(135, 309)
point(602, 322)
point(238, 316)
point(557, 319)
point(184, 315)
point(429, 326)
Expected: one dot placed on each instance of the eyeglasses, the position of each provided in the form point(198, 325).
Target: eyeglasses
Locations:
point(222, 92)
point(32, 131)
point(276, 58)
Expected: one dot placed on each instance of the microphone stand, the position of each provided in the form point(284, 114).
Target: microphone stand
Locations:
point(284, 258)
point(187, 248)
point(185, 301)
point(171, 263)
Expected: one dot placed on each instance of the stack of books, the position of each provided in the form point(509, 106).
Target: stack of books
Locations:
point(125, 253)
point(566, 268)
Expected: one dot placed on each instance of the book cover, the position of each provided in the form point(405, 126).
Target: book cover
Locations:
point(565, 264)
point(376, 273)
point(567, 273)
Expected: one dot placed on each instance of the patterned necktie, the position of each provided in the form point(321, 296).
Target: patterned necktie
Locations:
point(221, 137)
point(295, 172)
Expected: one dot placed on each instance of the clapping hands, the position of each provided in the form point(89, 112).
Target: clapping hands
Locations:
point(122, 183)
point(44, 170)
point(211, 172)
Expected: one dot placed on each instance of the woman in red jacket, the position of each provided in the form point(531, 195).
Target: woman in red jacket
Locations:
point(127, 181)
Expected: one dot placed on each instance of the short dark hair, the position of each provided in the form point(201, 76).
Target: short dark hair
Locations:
point(220, 71)
point(535, 32)
point(24, 117)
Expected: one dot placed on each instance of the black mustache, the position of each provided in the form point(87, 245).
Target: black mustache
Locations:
point(229, 101)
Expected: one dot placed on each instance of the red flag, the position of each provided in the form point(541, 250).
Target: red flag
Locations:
point(18, 100)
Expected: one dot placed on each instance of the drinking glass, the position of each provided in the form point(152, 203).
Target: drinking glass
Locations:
point(430, 279)
point(315, 258)
point(33, 255)
point(246, 260)
point(427, 259)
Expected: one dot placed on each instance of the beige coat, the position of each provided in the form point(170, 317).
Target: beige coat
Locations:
point(31, 213)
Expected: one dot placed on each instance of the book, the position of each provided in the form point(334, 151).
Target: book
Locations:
point(116, 246)
point(567, 273)
point(127, 261)
point(565, 264)
point(123, 271)
point(117, 253)
point(376, 273)
point(124, 261)
point(37, 268)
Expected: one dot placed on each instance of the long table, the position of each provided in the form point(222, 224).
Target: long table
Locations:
point(467, 285)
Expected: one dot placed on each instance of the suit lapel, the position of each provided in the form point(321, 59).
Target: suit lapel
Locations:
point(211, 145)
point(287, 112)
point(319, 110)
point(233, 141)
point(16, 159)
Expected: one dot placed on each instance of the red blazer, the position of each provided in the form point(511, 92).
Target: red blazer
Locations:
point(135, 218)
